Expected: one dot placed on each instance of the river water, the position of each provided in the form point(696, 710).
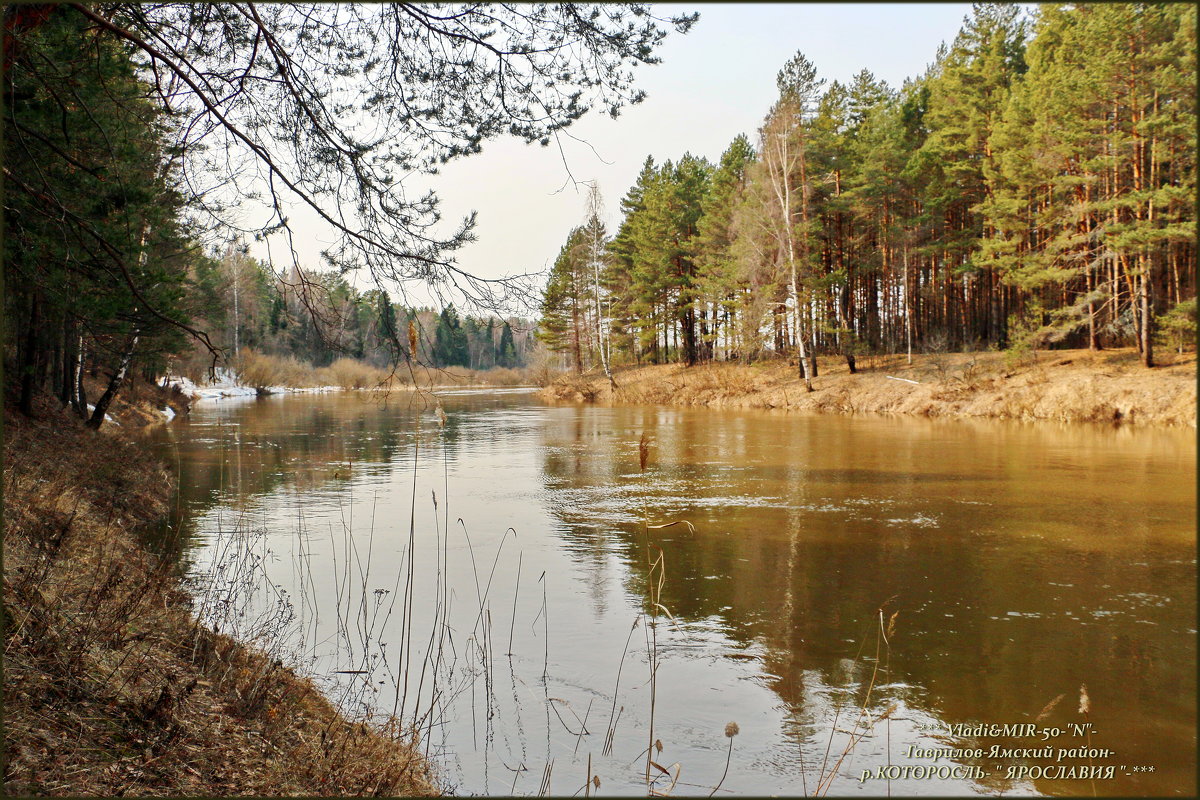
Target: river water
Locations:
point(504, 576)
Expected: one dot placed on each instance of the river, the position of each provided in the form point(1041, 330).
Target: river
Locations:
point(505, 576)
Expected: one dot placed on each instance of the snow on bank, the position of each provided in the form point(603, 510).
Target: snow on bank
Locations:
point(107, 417)
point(226, 386)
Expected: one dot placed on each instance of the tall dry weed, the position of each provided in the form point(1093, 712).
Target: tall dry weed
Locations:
point(262, 371)
point(350, 374)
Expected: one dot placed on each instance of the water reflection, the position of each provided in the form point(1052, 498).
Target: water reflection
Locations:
point(1023, 561)
point(1020, 570)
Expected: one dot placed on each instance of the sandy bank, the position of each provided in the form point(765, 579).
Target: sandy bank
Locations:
point(1066, 386)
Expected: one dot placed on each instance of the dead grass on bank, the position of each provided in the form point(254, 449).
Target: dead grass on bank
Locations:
point(461, 376)
point(263, 371)
point(1107, 386)
point(110, 687)
point(136, 405)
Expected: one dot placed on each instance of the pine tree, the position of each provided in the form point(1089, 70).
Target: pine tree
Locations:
point(1094, 163)
point(719, 283)
point(967, 96)
point(450, 341)
point(506, 354)
point(96, 256)
point(563, 325)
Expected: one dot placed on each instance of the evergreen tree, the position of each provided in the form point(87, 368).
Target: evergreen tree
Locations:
point(450, 341)
point(563, 325)
point(96, 258)
point(631, 310)
point(718, 282)
point(506, 354)
point(1094, 229)
point(967, 97)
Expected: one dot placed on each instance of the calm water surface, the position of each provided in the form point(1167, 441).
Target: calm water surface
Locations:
point(401, 561)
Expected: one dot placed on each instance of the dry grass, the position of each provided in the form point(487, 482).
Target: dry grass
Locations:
point(110, 686)
point(260, 370)
point(461, 376)
point(263, 371)
point(350, 374)
point(1066, 386)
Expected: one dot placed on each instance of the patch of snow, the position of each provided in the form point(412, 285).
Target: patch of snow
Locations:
point(185, 384)
point(220, 391)
point(226, 386)
point(107, 417)
point(169, 413)
point(311, 389)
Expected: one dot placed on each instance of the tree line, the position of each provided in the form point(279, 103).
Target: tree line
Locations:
point(318, 317)
point(1035, 187)
point(138, 135)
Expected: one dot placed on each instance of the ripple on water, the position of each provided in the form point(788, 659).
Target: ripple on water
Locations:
point(1143, 599)
point(919, 521)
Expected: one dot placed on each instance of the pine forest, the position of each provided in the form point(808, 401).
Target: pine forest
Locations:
point(1035, 188)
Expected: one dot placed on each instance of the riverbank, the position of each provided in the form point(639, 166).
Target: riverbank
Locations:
point(421, 379)
point(256, 373)
point(1106, 386)
point(111, 687)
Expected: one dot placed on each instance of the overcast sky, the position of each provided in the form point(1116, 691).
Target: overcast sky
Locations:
point(713, 83)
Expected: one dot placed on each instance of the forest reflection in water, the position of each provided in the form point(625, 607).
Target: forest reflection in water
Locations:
point(1020, 562)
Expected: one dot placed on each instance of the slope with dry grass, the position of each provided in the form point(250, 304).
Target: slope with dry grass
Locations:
point(1066, 386)
point(266, 372)
point(110, 686)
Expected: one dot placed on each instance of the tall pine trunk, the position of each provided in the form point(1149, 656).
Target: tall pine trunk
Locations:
point(1147, 303)
point(30, 358)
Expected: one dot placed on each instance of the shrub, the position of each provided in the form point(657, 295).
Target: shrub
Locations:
point(350, 374)
point(261, 371)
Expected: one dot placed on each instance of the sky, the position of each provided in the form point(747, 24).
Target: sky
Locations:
point(714, 83)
